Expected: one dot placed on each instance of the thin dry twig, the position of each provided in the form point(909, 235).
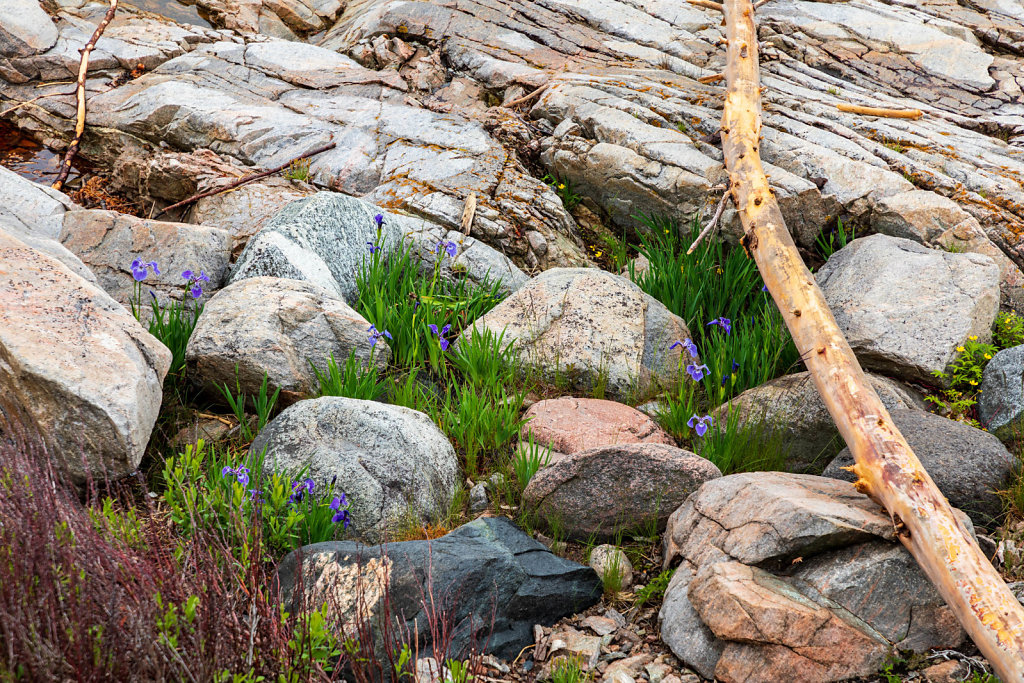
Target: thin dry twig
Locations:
point(525, 98)
point(469, 213)
point(707, 4)
point(83, 70)
point(711, 225)
point(247, 179)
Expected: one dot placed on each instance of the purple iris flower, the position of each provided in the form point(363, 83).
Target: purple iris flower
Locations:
point(724, 323)
point(448, 246)
point(699, 424)
point(242, 475)
point(379, 220)
point(376, 335)
point(686, 344)
point(140, 269)
point(196, 291)
point(340, 513)
point(696, 372)
point(187, 274)
point(226, 472)
point(441, 335)
point(254, 494)
point(764, 288)
point(373, 247)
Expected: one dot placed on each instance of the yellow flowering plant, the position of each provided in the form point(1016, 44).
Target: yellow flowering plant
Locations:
point(957, 402)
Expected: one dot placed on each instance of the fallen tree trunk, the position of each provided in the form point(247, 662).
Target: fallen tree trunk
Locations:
point(886, 467)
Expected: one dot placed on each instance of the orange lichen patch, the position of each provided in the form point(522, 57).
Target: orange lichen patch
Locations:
point(427, 532)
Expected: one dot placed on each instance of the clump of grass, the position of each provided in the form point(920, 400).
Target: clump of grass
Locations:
point(745, 445)
point(527, 461)
point(263, 403)
point(353, 380)
point(569, 670)
point(419, 314)
point(738, 335)
point(298, 170)
point(174, 322)
point(829, 242)
point(832, 90)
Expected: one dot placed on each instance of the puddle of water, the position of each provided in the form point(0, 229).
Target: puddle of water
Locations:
point(28, 158)
point(172, 9)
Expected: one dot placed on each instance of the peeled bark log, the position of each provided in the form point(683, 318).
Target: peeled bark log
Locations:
point(886, 467)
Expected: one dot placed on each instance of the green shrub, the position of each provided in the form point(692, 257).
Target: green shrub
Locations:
point(214, 489)
point(563, 188)
point(655, 588)
point(964, 377)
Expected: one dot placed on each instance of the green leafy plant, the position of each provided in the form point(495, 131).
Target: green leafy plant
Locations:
point(963, 380)
point(1008, 330)
point(655, 588)
point(832, 90)
point(264, 403)
point(744, 445)
point(354, 380)
point(563, 188)
point(831, 241)
point(417, 313)
point(213, 488)
point(174, 322)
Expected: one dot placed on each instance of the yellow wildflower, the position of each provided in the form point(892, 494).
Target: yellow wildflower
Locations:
point(973, 338)
point(960, 349)
point(974, 382)
point(988, 356)
point(561, 186)
point(598, 254)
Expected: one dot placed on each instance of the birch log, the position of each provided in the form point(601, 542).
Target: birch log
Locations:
point(886, 467)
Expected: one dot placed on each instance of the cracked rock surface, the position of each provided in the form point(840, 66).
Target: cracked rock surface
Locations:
point(793, 577)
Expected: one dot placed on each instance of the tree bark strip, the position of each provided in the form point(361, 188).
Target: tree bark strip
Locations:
point(886, 467)
point(83, 70)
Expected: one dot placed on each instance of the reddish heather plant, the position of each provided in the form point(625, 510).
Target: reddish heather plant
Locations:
point(81, 602)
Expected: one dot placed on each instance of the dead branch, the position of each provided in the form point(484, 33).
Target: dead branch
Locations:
point(247, 179)
point(469, 213)
point(877, 111)
point(886, 467)
point(83, 70)
point(707, 4)
point(714, 222)
point(714, 78)
point(525, 98)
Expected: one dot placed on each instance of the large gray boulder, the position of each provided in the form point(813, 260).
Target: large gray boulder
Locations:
point(392, 462)
point(605, 491)
point(795, 419)
point(108, 242)
point(324, 239)
point(793, 577)
point(905, 308)
point(486, 567)
point(624, 342)
point(25, 29)
point(274, 327)
point(85, 370)
point(968, 465)
point(919, 215)
point(1001, 401)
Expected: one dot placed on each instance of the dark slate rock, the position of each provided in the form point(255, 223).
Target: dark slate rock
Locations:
point(967, 464)
point(1001, 403)
point(485, 567)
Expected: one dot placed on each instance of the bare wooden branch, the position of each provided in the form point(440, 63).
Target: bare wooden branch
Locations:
point(525, 98)
point(711, 225)
point(247, 179)
point(713, 78)
point(886, 467)
point(707, 4)
point(468, 213)
point(83, 70)
point(760, 3)
point(877, 111)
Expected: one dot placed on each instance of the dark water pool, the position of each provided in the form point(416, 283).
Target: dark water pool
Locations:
point(172, 9)
point(28, 158)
